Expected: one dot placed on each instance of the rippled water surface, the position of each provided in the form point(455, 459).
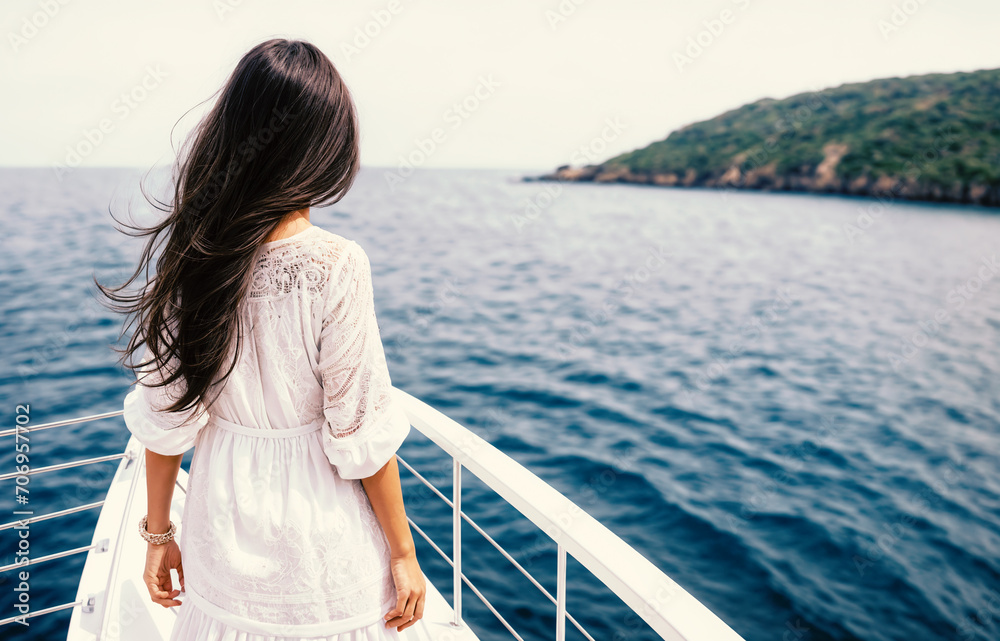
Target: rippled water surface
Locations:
point(787, 403)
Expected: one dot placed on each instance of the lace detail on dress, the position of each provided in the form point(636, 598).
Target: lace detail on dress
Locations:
point(355, 375)
point(284, 268)
point(291, 280)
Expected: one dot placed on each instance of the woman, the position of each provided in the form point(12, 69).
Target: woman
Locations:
point(263, 350)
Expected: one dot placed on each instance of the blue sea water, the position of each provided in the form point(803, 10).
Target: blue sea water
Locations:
point(788, 403)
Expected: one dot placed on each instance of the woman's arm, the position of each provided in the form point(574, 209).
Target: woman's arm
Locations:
point(386, 497)
point(161, 476)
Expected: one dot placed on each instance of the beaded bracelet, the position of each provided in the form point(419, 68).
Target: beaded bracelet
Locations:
point(156, 539)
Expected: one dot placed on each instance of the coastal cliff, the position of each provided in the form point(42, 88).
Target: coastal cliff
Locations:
point(933, 137)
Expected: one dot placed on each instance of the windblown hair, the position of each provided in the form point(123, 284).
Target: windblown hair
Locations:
point(283, 136)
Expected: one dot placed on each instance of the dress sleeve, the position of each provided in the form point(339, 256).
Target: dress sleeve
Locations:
point(363, 425)
point(165, 433)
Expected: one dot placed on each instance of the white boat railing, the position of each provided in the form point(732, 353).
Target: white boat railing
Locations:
point(52, 515)
point(666, 607)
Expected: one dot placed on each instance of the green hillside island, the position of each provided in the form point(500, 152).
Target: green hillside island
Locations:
point(934, 137)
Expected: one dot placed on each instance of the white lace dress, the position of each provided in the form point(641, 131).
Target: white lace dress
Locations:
point(278, 538)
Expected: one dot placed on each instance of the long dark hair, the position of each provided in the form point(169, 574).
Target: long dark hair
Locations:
point(282, 137)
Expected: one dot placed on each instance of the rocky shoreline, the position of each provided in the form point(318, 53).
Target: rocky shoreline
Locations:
point(822, 180)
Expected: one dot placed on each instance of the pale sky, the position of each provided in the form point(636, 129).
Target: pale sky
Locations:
point(541, 80)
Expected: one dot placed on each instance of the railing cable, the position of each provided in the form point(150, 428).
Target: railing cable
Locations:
point(500, 549)
point(51, 515)
point(37, 613)
point(69, 421)
point(50, 557)
point(474, 589)
point(64, 466)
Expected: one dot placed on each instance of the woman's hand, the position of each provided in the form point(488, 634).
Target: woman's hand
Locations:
point(159, 560)
point(411, 587)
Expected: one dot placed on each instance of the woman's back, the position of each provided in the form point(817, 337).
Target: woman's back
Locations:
point(276, 383)
point(279, 537)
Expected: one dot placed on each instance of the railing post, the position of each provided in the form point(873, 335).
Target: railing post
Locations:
point(456, 533)
point(560, 593)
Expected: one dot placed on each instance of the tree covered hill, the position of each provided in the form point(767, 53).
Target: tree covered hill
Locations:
point(930, 137)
